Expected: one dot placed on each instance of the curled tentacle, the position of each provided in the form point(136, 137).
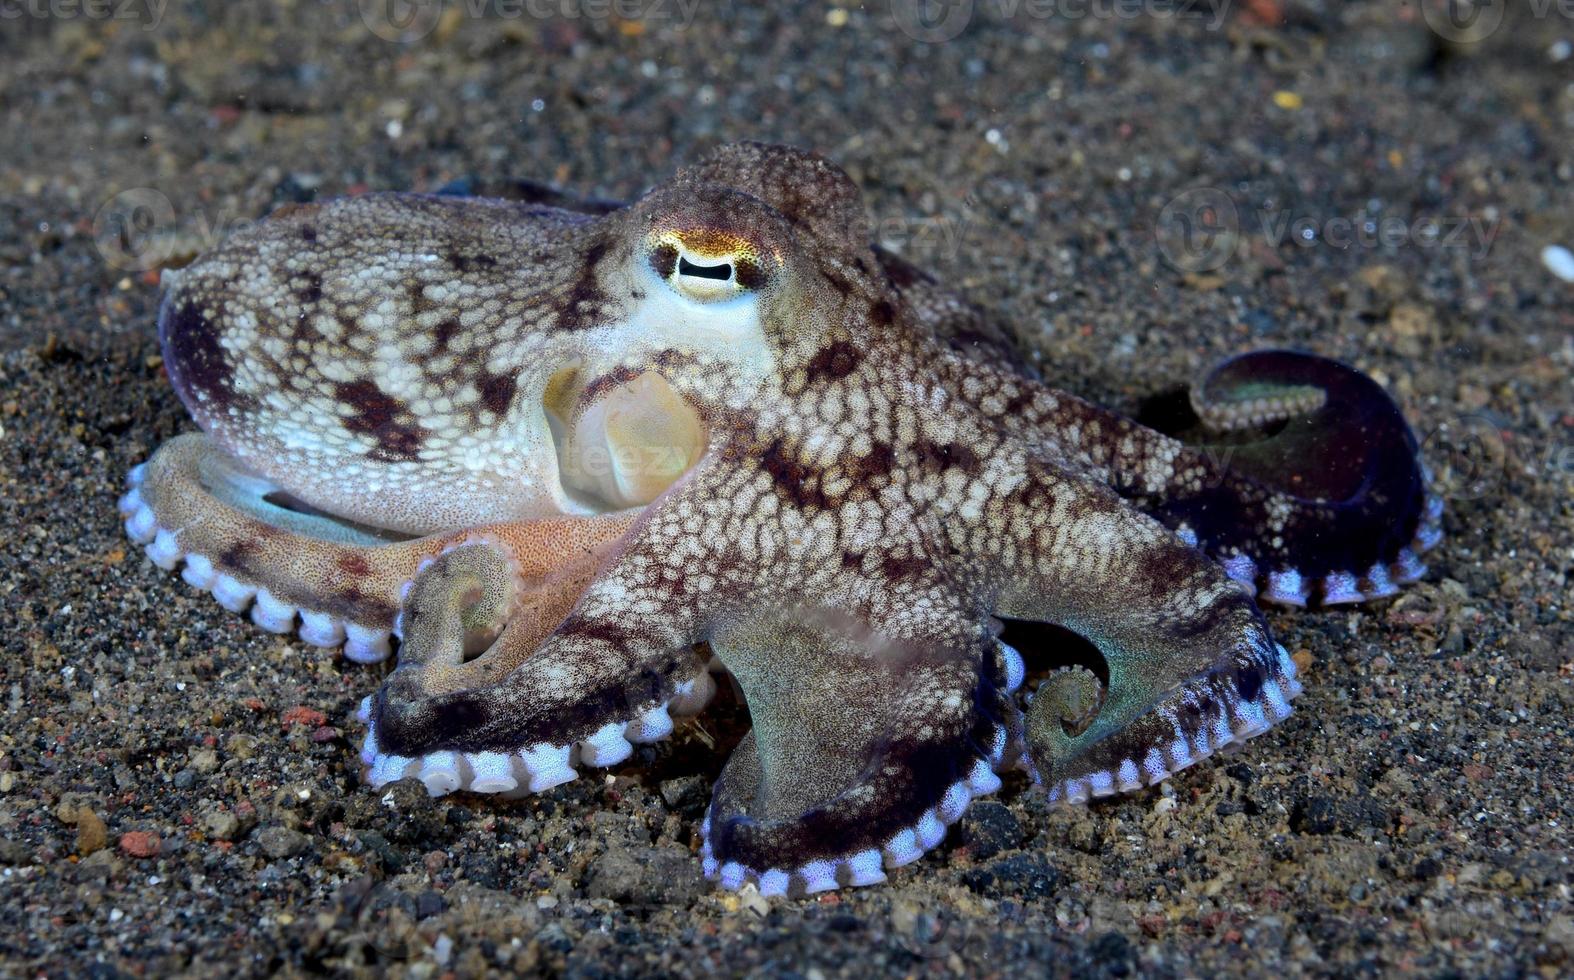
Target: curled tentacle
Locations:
point(501, 689)
point(1297, 473)
point(1313, 484)
point(1072, 696)
point(1190, 663)
point(294, 568)
point(1161, 717)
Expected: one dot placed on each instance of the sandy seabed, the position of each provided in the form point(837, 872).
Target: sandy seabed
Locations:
point(179, 791)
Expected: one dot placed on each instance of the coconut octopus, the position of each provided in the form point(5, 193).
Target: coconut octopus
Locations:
point(576, 455)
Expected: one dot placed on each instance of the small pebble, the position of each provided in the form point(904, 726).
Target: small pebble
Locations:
point(988, 828)
point(281, 842)
point(92, 835)
point(221, 824)
point(140, 843)
point(1559, 261)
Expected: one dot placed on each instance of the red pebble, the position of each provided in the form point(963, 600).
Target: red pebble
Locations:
point(302, 715)
point(140, 843)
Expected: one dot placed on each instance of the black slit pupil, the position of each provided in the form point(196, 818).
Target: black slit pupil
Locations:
point(687, 268)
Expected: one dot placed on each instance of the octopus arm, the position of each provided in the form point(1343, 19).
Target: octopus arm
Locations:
point(1311, 485)
point(869, 739)
point(1297, 472)
point(235, 536)
point(492, 702)
point(1189, 666)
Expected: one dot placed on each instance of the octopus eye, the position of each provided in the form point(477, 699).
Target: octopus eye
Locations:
point(706, 266)
point(721, 273)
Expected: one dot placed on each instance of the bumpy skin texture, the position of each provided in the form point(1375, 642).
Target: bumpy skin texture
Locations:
point(812, 458)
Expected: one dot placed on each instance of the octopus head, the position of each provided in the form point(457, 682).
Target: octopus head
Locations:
point(713, 276)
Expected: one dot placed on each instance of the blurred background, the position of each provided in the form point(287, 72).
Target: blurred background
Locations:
point(1136, 187)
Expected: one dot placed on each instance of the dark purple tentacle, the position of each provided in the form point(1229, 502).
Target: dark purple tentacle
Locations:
point(1310, 475)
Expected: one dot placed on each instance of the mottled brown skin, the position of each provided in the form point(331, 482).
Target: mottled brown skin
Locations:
point(875, 487)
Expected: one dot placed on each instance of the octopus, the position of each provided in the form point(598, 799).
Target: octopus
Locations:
point(575, 459)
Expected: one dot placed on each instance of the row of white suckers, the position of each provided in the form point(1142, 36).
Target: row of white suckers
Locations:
point(541, 767)
point(536, 768)
point(1289, 587)
point(1233, 724)
point(868, 867)
point(362, 644)
point(367, 644)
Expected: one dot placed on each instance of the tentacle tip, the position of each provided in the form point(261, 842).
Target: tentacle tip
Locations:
point(1217, 712)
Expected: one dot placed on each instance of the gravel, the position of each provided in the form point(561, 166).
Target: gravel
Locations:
point(160, 812)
